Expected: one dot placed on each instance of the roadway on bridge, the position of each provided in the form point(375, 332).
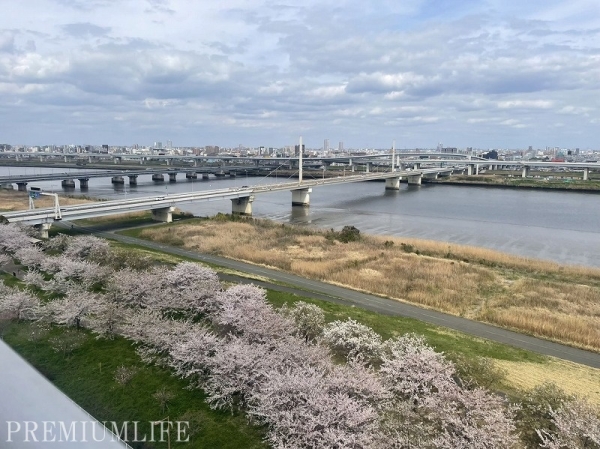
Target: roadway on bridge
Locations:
point(340, 295)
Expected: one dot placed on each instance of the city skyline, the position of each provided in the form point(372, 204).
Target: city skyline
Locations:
point(485, 74)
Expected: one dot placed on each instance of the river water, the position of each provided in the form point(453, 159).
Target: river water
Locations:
point(554, 225)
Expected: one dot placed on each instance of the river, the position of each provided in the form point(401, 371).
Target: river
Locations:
point(554, 225)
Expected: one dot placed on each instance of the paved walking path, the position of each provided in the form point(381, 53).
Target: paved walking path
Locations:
point(328, 292)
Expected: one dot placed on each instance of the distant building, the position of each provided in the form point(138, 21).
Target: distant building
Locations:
point(169, 145)
point(341, 146)
point(158, 145)
point(326, 145)
point(450, 150)
point(297, 150)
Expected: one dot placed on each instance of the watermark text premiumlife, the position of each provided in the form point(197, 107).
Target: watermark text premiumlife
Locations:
point(95, 431)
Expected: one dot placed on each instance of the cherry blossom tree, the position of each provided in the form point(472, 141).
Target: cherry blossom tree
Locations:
point(438, 411)
point(353, 340)
point(86, 247)
point(18, 304)
point(13, 237)
point(74, 308)
point(188, 286)
point(30, 256)
point(308, 318)
point(244, 310)
point(577, 426)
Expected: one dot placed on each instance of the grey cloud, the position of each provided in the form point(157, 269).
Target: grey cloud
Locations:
point(85, 29)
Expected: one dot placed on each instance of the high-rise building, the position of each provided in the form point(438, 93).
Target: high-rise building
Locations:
point(341, 146)
point(297, 150)
point(158, 145)
point(169, 145)
point(326, 146)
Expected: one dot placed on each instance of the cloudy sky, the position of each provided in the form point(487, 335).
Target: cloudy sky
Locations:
point(485, 73)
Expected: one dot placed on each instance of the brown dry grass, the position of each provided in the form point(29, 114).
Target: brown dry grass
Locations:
point(11, 200)
point(537, 297)
point(570, 377)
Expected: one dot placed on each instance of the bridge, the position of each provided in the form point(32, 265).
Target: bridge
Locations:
point(162, 207)
point(473, 166)
point(118, 176)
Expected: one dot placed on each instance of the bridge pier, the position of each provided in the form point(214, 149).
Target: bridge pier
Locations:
point(232, 174)
point(415, 180)
point(445, 174)
point(242, 205)
point(431, 176)
point(117, 160)
point(392, 183)
point(205, 176)
point(43, 229)
point(68, 184)
point(195, 162)
point(133, 180)
point(301, 197)
point(525, 172)
point(158, 177)
point(164, 214)
point(21, 186)
point(368, 169)
point(172, 177)
point(191, 175)
point(416, 166)
point(470, 169)
point(117, 180)
point(83, 183)
point(586, 173)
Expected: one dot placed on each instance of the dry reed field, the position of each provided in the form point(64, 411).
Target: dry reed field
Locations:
point(11, 200)
point(541, 298)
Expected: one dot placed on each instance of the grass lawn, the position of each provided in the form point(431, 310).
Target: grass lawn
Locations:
point(87, 376)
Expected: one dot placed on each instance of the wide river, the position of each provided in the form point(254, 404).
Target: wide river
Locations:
point(559, 226)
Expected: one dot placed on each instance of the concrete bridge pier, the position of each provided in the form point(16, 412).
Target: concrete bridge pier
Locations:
point(232, 174)
point(22, 186)
point(242, 205)
point(172, 177)
point(392, 183)
point(83, 183)
point(431, 176)
point(164, 214)
point(89, 159)
point(415, 180)
point(301, 197)
point(444, 174)
point(117, 160)
point(368, 169)
point(204, 175)
point(525, 172)
point(65, 159)
point(158, 177)
point(586, 173)
point(42, 158)
point(191, 175)
point(133, 180)
point(470, 169)
point(416, 166)
point(117, 180)
point(43, 229)
point(68, 183)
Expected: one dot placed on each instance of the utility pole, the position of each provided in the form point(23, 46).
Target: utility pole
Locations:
point(300, 162)
point(393, 155)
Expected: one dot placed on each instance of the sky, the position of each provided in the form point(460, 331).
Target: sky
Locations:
point(465, 73)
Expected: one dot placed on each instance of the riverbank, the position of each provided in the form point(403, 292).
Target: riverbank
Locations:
point(540, 298)
point(546, 183)
point(12, 200)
